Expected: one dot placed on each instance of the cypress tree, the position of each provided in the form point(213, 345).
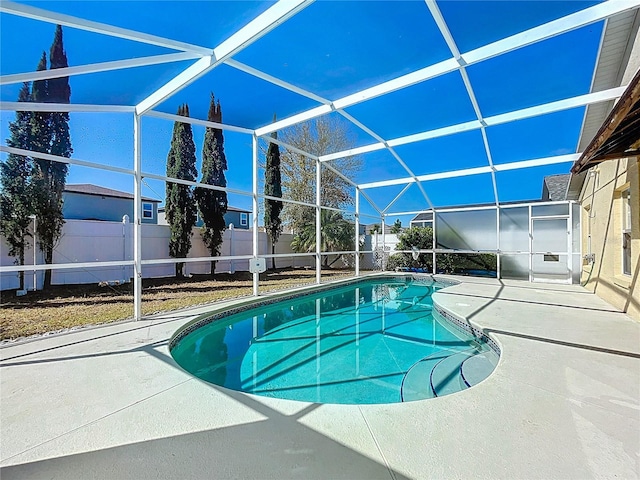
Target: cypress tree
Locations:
point(180, 208)
point(50, 134)
point(212, 204)
point(15, 177)
point(49, 217)
point(273, 188)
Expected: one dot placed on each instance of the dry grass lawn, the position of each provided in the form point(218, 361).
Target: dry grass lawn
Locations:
point(68, 306)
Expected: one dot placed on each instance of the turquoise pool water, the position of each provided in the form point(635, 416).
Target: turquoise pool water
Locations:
point(376, 341)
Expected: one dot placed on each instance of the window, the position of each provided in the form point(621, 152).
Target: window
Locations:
point(626, 232)
point(244, 219)
point(147, 210)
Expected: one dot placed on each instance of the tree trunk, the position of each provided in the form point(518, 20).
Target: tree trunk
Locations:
point(21, 274)
point(273, 252)
point(213, 268)
point(179, 267)
point(48, 259)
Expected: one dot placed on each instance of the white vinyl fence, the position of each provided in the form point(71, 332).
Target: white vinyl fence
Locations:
point(96, 241)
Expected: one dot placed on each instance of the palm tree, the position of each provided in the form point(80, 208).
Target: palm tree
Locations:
point(336, 234)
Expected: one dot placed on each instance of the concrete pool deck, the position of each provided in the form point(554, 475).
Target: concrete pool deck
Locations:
point(110, 402)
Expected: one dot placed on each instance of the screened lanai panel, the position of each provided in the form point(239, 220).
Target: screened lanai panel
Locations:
point(439, 102)
point(515, 267)
point(525, 184)
point(537, 137)
point(326, 135)
point(368, 43)
point(247, 101)
point(198, 22)
point(103, 48)
point(409, 201)
point(461, 191)
point(117, 87)
point(448, 153)
point(514, 229)
point(156, 136)
point(378, 165)
point(540, 73)
point(488, 18)
point(467, 230)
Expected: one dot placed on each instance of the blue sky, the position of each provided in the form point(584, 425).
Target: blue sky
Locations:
point(332, 49)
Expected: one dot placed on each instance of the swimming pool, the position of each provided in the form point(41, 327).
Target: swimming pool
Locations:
point(371, 341)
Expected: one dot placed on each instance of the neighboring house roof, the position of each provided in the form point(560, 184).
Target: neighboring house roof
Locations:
point(554, 187)
point(619, 135)
point(89, 189)
point(423, 216)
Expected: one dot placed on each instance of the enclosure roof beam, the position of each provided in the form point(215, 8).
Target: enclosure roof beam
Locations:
point(285, 145)
point(59, 159)
point(551, 107)
point(407, 186)
point(476, 171)
point(275, 81)
point(34, 13)
point(444, 30)
point(97, 67)
point(391, 150)
point(543, 32)
point(195, 121)
point(254, 30)
point(64, 107)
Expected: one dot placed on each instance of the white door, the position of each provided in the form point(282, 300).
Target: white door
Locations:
point(550, 250)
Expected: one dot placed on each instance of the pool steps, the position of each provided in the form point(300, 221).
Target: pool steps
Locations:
point(440, 374)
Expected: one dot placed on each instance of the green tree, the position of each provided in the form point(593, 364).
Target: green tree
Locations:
point(414, 238)
point(375, 228)
point(396, 227)
point(180, 207)
point(336, 234)
point(273, 188)
point(47, 201)
point(319, 136)
point(16, 198)
point(212, 204)
point(50, 134)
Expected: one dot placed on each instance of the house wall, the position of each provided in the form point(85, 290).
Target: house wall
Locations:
point(602, 223)
point(78, 206)
point(234, 217)
point(229, 218)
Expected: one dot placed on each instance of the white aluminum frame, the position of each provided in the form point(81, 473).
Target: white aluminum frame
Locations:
point(207, 58)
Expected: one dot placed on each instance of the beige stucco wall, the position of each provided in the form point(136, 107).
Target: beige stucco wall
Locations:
point(602, 210)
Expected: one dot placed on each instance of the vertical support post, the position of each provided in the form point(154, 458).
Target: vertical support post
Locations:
point(318, 222)
point(137, 217)
point(570, 243)
point(498, 242)
point(35, 252)
point(433, 243)
point(318, 348)
point(357, 262)
point(383, 264)
point(530, 246)
point(256, 275)
point(255, 352)
point(357, 319)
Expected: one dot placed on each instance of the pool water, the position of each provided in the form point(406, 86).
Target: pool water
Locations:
point(376, 341)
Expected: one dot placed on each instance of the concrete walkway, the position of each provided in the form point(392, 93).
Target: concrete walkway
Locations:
point(110, 402)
